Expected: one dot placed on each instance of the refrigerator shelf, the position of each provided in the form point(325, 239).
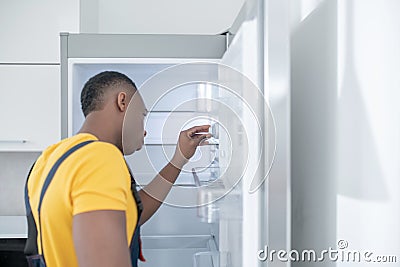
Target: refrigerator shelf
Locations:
point(212, 143)
point(184, 179)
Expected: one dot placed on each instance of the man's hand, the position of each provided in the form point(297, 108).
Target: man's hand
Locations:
point(187, 144)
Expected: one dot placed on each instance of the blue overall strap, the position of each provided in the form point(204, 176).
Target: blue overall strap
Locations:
point(136, 247)
point(135, 244)
point(27, 203)
point(55, 167)
point(31, 242)
point(49, 178)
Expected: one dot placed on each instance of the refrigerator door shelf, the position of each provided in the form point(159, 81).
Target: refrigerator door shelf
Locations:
point(214, 259)
point(222, 203)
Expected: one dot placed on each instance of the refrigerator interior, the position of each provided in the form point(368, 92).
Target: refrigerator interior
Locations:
point(179, 234)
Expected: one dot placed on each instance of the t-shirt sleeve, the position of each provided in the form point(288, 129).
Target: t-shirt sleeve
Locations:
point(102, 180)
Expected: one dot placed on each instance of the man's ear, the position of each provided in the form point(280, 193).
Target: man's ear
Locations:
point(122, 101)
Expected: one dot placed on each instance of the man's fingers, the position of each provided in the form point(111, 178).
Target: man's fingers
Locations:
point(204, 142)
point(201, 137)
point(197, 129)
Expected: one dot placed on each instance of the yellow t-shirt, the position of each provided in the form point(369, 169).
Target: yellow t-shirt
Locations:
point(94, 177)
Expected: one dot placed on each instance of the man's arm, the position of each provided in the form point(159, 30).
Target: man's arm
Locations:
point(157, 190)
point(100, 239)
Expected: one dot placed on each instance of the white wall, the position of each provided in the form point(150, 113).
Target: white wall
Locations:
point(30, 29)
point(346, 126)
point(368, 202)
point(154, 16)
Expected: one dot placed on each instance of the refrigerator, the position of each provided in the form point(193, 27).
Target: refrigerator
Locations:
point(216, 212)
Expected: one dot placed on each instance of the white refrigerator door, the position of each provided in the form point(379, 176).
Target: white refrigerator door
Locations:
point(241, 238)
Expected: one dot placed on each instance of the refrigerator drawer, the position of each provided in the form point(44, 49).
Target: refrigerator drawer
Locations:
point(176, 250)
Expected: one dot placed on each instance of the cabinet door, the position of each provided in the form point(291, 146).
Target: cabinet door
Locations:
point(30, 29)
point(29, 107)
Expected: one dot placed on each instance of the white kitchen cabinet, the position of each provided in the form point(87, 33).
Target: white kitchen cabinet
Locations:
point(30, 29)
point(29, 107)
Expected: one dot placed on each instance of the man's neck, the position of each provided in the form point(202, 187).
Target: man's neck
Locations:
point(100, 127)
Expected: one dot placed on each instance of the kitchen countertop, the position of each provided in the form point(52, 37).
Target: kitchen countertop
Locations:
point(13, 227)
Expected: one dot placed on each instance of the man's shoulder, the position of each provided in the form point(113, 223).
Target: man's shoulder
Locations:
point(104, 150)
point(93, 151)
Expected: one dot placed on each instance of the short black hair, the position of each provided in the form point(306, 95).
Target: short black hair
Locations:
point(94, 89)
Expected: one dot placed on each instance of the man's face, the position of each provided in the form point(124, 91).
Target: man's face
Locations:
point(133, 132)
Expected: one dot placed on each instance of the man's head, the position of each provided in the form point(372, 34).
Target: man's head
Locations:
point(94, 91)
point(105, 101)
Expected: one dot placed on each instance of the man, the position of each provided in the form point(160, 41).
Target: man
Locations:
point(88, 215)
